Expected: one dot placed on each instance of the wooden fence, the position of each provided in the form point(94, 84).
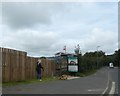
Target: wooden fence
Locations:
point(30, 66)
point(17, 66)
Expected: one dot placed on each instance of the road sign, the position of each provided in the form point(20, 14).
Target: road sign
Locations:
point(72, 64)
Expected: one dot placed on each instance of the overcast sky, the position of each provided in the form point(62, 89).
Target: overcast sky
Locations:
point(42, 29)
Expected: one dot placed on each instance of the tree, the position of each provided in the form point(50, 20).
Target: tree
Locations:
point(116, 58)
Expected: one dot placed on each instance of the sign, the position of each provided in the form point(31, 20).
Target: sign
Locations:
point(72, 59)
point(73, 68)
point(72, 64)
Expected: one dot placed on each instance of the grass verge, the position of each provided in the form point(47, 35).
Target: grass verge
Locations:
point(44, 80)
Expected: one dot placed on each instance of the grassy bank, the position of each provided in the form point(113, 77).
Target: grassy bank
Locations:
point(47, 79)
point(44, 80)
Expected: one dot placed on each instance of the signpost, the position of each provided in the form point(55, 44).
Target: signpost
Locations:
point(72, 64)
point(67, 63)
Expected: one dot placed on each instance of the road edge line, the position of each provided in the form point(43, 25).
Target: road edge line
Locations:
point(106, 87)
point(112, 91)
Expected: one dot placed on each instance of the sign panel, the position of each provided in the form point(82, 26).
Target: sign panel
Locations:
point(72, 64)
point(73, 68)
point(72, 59)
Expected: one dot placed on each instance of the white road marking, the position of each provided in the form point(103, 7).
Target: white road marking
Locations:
point(106, 87)
point(72, 78)
point(112, 91)
point(95, 90)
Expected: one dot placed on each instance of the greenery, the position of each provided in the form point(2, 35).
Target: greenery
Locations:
point(95, 60)
point(31, 81)
point(90, 62)
point(87, 73)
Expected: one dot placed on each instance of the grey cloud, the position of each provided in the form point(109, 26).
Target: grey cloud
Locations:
point(99, 37)
point(44, 28)
point(22, 15)
point(37, 42)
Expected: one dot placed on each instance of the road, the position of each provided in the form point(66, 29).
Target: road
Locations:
point(113, 80)
point(104, 81)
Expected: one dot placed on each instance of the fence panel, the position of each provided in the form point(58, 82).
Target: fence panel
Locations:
point(17, 65)
point(23, 56)
point(3, 65)
point(53, 69)
point(12, 64)
point(49, 67)
point(30, 68)
point(45, 66)
point(6, 64)
point(34, 60)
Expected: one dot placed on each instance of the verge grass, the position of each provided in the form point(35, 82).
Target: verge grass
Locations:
point(46, 79)
point(31, 81)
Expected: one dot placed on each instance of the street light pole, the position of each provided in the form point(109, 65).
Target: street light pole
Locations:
point(97, 55)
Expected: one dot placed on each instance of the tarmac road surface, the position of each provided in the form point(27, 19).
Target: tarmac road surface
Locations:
point(103, 81)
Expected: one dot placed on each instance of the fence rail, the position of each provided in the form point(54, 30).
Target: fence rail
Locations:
point(17, 66)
